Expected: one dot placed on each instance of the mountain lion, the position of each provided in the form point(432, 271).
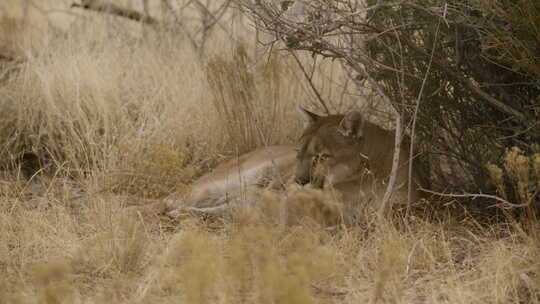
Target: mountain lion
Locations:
point(341, 153)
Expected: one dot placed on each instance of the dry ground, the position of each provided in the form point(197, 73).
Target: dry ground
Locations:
point(123, 119)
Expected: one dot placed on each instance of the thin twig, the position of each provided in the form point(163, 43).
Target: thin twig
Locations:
point(215, 16)
point(504, 202)
point(181, 26)
point(393, 172)
point(310, 82)
point(415, 115)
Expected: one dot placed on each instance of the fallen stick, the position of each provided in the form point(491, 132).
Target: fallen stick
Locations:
point(113, 9)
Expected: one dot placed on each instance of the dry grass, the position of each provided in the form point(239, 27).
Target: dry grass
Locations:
point(120, 120)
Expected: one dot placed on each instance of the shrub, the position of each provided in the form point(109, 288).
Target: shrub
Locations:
point(467, 71)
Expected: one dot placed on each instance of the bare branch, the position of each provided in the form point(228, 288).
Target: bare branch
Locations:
point(311, 84)
point(503, 203)
point(445, 65)
point(216, 16)
point(393, 174)
point(113, 9)
point(167, 6)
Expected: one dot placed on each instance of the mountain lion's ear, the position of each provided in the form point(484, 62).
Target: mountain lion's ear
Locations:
point(309, 117)
point(352, 125)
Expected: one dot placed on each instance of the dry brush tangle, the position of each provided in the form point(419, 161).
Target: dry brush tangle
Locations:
point(465, 94)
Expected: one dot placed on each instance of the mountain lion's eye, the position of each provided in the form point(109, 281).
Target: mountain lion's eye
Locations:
point(320, 157)
point(324, 156)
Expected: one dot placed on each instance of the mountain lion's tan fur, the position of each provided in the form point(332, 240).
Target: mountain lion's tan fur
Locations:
point(270, 167)
point(340, 153)
point(352, 156)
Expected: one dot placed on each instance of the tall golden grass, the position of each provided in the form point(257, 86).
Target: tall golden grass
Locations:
point(117, 119)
